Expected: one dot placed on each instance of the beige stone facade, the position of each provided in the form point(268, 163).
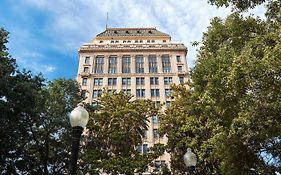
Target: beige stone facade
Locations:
point(143, 62)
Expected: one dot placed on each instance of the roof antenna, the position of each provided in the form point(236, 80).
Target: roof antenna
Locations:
point(106, 20)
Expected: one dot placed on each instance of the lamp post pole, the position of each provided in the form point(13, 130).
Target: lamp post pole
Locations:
point(76, 135)
point(78, 119)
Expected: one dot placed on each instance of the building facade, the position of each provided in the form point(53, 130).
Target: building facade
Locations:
point(142, 62)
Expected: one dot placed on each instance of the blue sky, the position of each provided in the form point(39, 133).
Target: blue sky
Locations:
point(46, 34)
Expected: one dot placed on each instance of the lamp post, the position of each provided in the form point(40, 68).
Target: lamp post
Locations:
point(190, 161)
point(78, 119)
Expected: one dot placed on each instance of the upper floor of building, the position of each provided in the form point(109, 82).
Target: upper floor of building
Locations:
point(131, 36)
point(122, 39)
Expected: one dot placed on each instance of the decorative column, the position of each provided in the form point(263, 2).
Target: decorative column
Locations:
point(145, 63)
point(105, 65)
point(159, 64)
point(133, 64)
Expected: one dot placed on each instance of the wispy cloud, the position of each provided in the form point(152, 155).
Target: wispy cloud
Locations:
point(76, 23)
point(50, 68)
point(63, 26)
point(34, 61)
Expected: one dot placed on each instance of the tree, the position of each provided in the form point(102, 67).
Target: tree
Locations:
point(230, 116)
point(18, 95)
point(114, 132)
point(34, 123)
point(50, 128)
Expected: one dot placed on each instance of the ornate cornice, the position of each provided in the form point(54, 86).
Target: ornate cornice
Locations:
point(131, 48)
point(124, 75)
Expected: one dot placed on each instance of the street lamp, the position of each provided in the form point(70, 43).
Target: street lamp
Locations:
point(190, 160)
point(78, 119)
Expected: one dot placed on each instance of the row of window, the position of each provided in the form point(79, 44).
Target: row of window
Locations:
point(127, 69)
point(127, 81)
point(126, 64)
point(87, 59)
point(98, 93)
point(140, 93)
point(136, 41)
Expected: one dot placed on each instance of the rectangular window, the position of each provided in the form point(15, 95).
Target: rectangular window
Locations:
point(97, 93)
point(157, 104)
point(145, 149)
point(181, 79)
point(86, 69)
point(144, 133)
point(127, 91)
point(139, 148)
point(145, 169)
point(139, 64)
point(110, 91)
point(142, 149)
point(98, 81)
point(159, 164)
point(112, 64)
point(140, 92)
point(168, 104)
point(180, 68)
point(126, 64)
point(84, 82)
point(99, 65)
point(155, 133)
point(112, 81)
point(154, 81)
point(87, 60)
point(152, 63)
point(140, 80)
point(155, 119)
point(155, 93)
point(168, 80)
point(178, 58)
point(166, 64)
point(126, 81)
point(168, 92)
point(83, 93)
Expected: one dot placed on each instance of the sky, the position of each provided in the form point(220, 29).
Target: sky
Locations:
point(45, 35)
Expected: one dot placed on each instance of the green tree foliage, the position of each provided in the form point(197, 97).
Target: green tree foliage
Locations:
point(230, 116)
point(34, 132)
point(50, 128)
point(114, 132)
point(238, 4)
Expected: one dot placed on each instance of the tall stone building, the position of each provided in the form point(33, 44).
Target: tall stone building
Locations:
point(143, 62)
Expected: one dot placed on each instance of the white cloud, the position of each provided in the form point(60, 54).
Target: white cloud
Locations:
point(76, 22)
point(35, 62)
point(49, 68)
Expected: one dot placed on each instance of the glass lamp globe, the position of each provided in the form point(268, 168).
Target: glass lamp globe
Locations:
point(190, 158)
point(79, 116)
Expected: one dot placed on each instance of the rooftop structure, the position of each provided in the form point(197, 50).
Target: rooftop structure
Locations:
point(129, 32)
